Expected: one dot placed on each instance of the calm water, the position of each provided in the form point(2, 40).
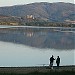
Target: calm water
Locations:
point(28, 46)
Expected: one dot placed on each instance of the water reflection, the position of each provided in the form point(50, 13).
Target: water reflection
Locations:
point(20, 55)
point(28, 45)
point(39, 37)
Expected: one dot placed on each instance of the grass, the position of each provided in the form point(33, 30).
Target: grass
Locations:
point(43, 73)
point(63, 70)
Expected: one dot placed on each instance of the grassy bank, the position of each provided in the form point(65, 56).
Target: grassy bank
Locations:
point(43, 73)
point(63, 70)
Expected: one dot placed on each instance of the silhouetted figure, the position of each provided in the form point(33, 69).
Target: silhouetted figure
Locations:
point(51, 62)
point(58, 61)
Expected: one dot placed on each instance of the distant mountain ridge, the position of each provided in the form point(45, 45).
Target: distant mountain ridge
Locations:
point(56, 12)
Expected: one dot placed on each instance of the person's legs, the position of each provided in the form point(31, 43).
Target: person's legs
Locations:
point(51, 65)
point(57, 65)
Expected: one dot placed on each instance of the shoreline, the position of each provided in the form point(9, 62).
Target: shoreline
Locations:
point(57, 29)
point(42, 69)
point(35, 26)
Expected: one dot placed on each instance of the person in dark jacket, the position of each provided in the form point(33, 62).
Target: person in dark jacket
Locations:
point(51, 62)
point(58, 61)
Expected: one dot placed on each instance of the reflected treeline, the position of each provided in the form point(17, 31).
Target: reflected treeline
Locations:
point(39, 37)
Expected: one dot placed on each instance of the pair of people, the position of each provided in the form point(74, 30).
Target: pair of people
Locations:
point(52, 60)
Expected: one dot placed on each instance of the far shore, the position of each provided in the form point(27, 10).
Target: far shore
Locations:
point(11, 26)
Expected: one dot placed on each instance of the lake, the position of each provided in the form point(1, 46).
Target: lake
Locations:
point(33, 46)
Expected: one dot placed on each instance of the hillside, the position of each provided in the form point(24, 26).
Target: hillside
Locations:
point(56, 12)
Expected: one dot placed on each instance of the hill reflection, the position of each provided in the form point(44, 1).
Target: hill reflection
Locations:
point(40, 38)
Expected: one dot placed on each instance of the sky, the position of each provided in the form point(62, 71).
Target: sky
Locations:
point(19, 2)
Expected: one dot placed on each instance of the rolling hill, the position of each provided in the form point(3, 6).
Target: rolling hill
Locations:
point(55, 12)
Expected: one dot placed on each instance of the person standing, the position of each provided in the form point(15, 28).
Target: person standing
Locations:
point(51, 62)
point(58, 61)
